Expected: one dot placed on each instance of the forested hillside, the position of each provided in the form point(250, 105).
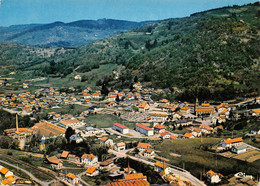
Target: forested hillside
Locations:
point(210, 55)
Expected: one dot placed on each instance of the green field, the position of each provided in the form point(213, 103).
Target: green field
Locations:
point(196, 158)
point(106, 120)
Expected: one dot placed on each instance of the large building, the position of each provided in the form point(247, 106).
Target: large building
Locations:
point(144, 130)
point(121, 128)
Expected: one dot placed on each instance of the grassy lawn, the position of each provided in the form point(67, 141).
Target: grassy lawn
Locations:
point(196, 159)
point(106, 120)
point(248, 156)
point(67, 109)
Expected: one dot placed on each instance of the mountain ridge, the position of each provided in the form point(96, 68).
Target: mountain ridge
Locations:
point(60, 32)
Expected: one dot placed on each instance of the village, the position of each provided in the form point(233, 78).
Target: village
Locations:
point(145, 125)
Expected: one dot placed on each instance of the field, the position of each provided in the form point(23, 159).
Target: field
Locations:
point(106, 121)
point(250, 156)
point(37, 162)
point(196, 158)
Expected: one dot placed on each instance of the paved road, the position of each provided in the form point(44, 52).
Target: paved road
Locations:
point(183, 174)
point(28, 173)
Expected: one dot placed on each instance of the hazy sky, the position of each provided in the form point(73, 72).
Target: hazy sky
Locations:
point(46, 11)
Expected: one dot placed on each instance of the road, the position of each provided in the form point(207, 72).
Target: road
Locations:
point(28, 173)
point(184, 174)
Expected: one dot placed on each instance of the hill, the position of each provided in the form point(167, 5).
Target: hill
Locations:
point(210, 55)
point(63, 34)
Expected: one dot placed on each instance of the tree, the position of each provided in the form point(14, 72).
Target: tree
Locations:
point(104, 90)
point(69, 132)
point(136, 79)
point(180, 127)
point(117, 99)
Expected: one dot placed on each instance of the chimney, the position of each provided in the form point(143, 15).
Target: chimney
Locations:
point(17, 129)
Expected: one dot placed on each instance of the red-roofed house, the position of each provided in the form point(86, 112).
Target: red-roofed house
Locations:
point(144, 130)
point(121, 128)
point(188, 135)
point(159, 129)
point(165, 135)
point(149, 153)
point(142, 146)
point(91, 171)
point(229, 143)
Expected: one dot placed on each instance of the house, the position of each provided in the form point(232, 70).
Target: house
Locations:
point(238, 149)
point(159, 117)
point(70, 123)
point(121, 128)
point(73, 157)
point(134, 182)
point(143, 107)
point(256, 112)
point(204, 109)
point(159, 129)
point(120, 146)
point(77, 138)
point(77, 77)
point(213, 177)
point(91, 171)
point(185, 110)
point(205, 129)
point(159, 167)
point(137, 86)
point(64, 154)
point(165, 135)
point(196, 132)
point(6, 176)
point(229, 143)
point(106, 164)
point(142, 146)
point(184, 122)
point(89, 159)
point(72, 179)
point(149, 153)
point(144, 130)
point(188, 135)
point(106, 141)
point(55, 162)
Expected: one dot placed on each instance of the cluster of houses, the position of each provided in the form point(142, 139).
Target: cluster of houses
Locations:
point(7, 177)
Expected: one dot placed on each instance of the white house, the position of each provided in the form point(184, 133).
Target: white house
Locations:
point(159, 129)
point(72, 179)
point(76, 138)
point(70, 123)
point(238, 149)
point(149, 153)
point(142, 146)
point(121, 128)
point(213, 177)
point(165, 135)
point(229, 143)
point(89, 159)
point(91, 171)
point(120, 146)
point(144, 130)
point(106, 141)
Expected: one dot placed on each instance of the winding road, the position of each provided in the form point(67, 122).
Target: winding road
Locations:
point(184, 174)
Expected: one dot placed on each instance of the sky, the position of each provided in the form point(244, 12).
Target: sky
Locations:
point(13, 12)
